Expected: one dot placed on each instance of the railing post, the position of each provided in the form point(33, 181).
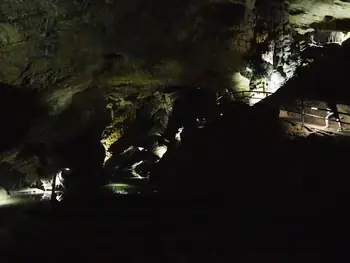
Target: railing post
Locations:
point(53, 190)
point(302, 113)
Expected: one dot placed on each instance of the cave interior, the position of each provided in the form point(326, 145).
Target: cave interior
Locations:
point(212, 130)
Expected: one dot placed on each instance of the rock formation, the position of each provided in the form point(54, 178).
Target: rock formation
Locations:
point(86, 68)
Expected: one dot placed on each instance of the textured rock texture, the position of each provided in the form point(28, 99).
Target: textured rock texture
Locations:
point(67, 66)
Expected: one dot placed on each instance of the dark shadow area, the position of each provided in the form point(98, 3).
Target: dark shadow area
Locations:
point(78, 146)
point(236, 190)
point(330, 23)
point(297, 12)
point(19, 109)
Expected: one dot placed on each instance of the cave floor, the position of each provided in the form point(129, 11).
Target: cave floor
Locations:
point(145, 229)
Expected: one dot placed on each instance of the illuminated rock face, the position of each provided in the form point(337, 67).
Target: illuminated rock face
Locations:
point(294, 25)
point(3, 194)
point(319, 14)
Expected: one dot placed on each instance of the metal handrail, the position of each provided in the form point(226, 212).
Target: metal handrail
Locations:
point(316, 116)
point(303, 106)
point(252, 91)
point(321, 109)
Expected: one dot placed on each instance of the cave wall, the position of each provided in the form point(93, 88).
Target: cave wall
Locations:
point(80, 56)
point(87, 58)
point(43, 43)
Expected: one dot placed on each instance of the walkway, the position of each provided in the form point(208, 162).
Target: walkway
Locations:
point(313, 122)
point(301, 115)
point(317, 127)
